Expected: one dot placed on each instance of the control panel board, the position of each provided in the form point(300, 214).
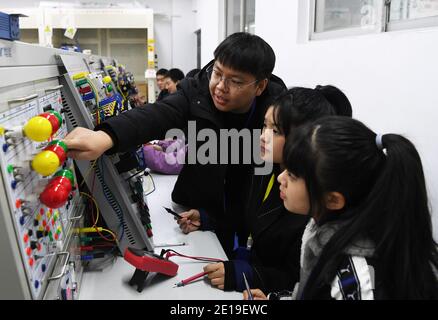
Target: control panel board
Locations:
point(41, 227)
point(95, 91)
point(44, 94)
point(40, 204)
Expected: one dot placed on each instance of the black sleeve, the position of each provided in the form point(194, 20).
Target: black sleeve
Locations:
point(229, 281)
point(274, 279)
point(148, 122)
point(284, 275)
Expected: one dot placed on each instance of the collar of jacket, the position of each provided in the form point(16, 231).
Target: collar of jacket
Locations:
point(323, 234)
point(266, 213)
point(314, 240)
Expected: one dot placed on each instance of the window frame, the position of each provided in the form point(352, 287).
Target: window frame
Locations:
point(242, 16)
point(384, 23)
point(415, 23)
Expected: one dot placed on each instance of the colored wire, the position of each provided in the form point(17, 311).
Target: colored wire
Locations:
point(95, 204)
point(96, 230)
point(111, 233)
point(97, 218)
point(96, 246)
point(171, 253)
point(153, 185)
point(88, 172)
point(93, 88)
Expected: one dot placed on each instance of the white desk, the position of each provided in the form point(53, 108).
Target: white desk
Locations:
point(112, 282)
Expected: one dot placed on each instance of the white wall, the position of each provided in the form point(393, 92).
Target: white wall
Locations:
point(174, 27)
point(208, 20)
point(390, 78)
point(183, 36)
point(162, 31)
point(163, 42)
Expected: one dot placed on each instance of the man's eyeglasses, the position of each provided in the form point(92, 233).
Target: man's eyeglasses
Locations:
point(214, 76)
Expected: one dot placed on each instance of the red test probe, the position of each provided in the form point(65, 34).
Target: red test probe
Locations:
point(188, 280)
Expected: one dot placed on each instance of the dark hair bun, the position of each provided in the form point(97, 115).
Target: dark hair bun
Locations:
point(337, 99)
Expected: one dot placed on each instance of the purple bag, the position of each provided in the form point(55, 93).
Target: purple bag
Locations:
point(168, 161)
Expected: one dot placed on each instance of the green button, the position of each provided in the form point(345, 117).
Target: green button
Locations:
point(50, 236)
point(81, 82)
point(56, 113)
point(10, 168)
point(66, 173)
point(58, 143)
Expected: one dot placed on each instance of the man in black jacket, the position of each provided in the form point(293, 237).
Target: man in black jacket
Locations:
point(231, 92)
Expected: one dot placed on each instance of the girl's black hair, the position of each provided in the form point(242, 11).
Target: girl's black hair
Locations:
point(386, 202)
point(298, 106)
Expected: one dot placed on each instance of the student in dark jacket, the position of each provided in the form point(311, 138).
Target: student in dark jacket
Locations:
point(271, 257)
point(172, 79)
point(232, 91)
point(161, 83)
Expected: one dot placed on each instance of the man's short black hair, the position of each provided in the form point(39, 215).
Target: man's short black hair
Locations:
point(247, 53)
point(162, 72)
point(175, 74)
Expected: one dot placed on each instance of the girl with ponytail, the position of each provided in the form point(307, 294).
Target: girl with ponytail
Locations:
point(370, 235)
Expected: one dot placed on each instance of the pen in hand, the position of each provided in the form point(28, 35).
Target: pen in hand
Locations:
point(250, 297)
point(177, 216)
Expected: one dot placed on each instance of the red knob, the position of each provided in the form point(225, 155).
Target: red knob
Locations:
point(59, 151)
point(54, 121)
point(56, 193)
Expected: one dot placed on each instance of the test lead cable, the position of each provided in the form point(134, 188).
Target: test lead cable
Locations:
point(190, 279)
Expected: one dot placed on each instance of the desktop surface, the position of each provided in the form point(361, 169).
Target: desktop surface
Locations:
point(112, 282)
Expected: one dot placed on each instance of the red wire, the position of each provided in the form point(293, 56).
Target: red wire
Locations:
point(170, 254)
point(91, 248)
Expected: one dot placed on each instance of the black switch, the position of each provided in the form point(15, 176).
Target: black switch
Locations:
point(47, 108)
point(40, 234)
point(33, 245)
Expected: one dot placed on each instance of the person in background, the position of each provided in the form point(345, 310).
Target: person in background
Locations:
point(172, 79)
point(370, 233)
point(271, 258)
point(161, 74)
point(233, 91)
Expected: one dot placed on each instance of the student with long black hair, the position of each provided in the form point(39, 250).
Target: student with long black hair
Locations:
point(370, 236)
point(270, 259)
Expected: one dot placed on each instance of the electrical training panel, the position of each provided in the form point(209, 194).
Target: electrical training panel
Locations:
point(95, 89)
point(44, 94)
point(40, 203)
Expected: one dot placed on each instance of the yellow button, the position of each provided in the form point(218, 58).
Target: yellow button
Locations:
point(45, 163)
point(106, 79)
point(38, 129)
point(79, 75)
